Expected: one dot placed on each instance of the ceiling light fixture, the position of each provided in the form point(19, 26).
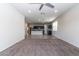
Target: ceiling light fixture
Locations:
point(56, 11)
point(29, 11)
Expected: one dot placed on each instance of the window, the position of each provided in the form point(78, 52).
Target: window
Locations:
point(55, 25)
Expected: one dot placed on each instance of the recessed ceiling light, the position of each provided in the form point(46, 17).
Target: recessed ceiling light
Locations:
point(56, 11)
point(29, 11)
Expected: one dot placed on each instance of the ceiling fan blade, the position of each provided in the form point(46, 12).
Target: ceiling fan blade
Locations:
point(49, 5)
point(41, 6)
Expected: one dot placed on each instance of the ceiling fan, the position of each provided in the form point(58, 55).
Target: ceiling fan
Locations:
point(46, 4)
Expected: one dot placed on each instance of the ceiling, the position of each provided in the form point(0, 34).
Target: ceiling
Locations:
point(33, 15)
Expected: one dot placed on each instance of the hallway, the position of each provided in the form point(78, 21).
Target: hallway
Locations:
point(41, 46)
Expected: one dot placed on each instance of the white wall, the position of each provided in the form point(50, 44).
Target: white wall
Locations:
point(68, 26)
point(11, 26)
point(45, 29)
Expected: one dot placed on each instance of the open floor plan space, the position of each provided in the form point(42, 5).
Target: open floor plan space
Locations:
point(39, 29)
point(41, 46)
